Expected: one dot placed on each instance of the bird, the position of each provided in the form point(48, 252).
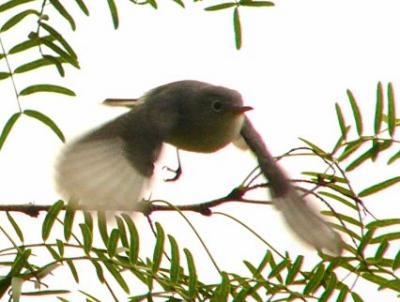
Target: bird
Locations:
point(110, 167)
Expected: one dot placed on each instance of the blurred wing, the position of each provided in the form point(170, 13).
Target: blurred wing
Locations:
point(301, 218)
point(98, 175)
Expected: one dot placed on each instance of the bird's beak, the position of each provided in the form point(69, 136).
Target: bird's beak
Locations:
point(121, 102)
point(241, 109)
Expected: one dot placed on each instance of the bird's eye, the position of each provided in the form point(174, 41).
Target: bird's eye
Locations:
point(216, 105)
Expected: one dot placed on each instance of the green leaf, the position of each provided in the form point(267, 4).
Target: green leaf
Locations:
point(102, 225)
point(221, 6)
point(237, 28)
point(387, 237)
point(317, 150)
point(15, 226)
point(18, 18)
point(175, 260)
point(340, 199)
point(73, 270)
point(12, 3)
point(99, 270)
point(64, 13)
point(122, 232)
point(159, 248)
point(112, 268)
point(356, 112)
point(114, 13)
point(25, 45)
point(330, 287)
point(87, 237)
point(33, 65)
point(342, 294)
point(381, 250)
point(113, 243)
point(222, 291)
point(21, 260)
point(351, 147)
point(396, 262)
point(359, 160)
point(252, 3)
point(294, 269)
point(378, 108)
point(393, 158)
point(60, 247)
point(279, 268)
point(65, 56)
point(343, 217)
point(356, 297)
point(47, 121)
point(88, 218)
point(50, 218)
point(4, 75)
point(83, 7)
point(53, 253)
point(192, 274)
point(379, 186)
point(134, 239)
point(7, 128)
point(383, 223)
point(365, 240)
point(57, 36)
point(342, 123)
point(391, 118)
point(180, 3)
point(46, 88)
point(315, 281)
point(68, 221)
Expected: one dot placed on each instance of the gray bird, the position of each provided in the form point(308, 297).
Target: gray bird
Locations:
point(109, 167)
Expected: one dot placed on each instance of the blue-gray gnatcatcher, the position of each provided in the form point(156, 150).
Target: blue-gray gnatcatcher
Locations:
point(108, 168)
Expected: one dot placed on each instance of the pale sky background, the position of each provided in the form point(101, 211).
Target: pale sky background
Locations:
point(297, 60)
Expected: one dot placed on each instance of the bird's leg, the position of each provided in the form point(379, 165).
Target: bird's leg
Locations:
point(177, 171)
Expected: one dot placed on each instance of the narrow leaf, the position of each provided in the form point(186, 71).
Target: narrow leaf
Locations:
point(122, 232)
point(317, 150)
point(114, 13)
point(396, 262)
point(359, 160)
point(383, 223)
point(57, 36)
point(83, 7)
point(356, 112)
point(387, 237)
point(12, 3)
point(7, 128)
point(351, 147)
point(342, 123)
point(25, 45)
point(4, 75)
point(159, 247)
point(47, 121)
point(294, 269)
point(68, 222)
point(180, 3)
point(378, 108)
point(381, 250)
point(18, 18)
point(46, 88)
point(113, 243)
point(112, 268)
point(134, 239)
point(192, 274)
point(391, 118)
point(221, 6)
point(102, 225)
point(32, 65)
point(340, 199)
point(237, 28)
point(315, 281)
point(73, 270)
point(87, 237)
point(252, 3)
point(15, 226)
point(64, 13)
point(175, 260)
point(51, 218)
point(356, 297)
point(379, 186)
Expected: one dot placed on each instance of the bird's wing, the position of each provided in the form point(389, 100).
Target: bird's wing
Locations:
point(300, 216)
point(108, 168)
